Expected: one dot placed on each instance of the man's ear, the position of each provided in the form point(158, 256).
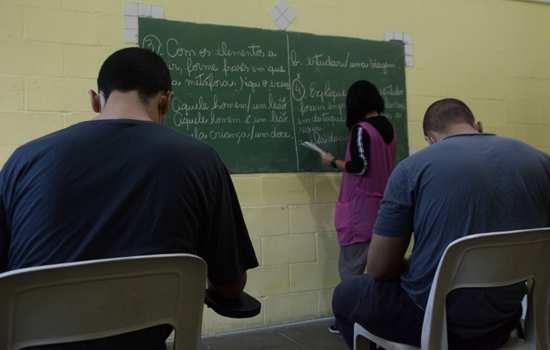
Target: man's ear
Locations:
point(430, 139)
point(478, 126)
point(164, 104)
point(95, 101)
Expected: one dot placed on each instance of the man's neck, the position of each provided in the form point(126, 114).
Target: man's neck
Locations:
point(124, 106)
point(460, 129)
point(122, 115)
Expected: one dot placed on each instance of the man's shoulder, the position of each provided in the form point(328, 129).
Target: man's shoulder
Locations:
point(177, 143)
point(517, 149)
point(417, 158)
point(455, 144)
point(146, 138)
point(134, 130)
point(34, 147)
point(504, 140)
point(454, 155)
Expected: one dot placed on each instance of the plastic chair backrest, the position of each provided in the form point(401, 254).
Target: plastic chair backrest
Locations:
point(493, 260)
point(101, 298)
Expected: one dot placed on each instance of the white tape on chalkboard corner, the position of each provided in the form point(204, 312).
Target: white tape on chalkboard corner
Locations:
point(409, 61)
point(282, 14)
point(144, 10)
point(282, 22)
point(157, 11)
point(132, 9)
point(282, 5)
point(130, 22)
point(408, 50)
point(290, 14)
point(131, 36)
point(274, 13)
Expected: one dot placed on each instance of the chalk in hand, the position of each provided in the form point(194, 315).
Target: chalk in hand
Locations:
point(313, 147)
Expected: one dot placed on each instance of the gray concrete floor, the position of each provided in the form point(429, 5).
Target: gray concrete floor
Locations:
point(312, 335)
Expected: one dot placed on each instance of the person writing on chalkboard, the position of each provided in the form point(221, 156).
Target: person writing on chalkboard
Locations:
point(123, 185)
point(369, 160)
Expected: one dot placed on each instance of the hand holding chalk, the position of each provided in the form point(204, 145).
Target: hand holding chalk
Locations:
point(327, 158)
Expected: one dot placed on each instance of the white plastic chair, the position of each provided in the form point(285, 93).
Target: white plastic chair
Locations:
point(485, 260)
point(101, 298)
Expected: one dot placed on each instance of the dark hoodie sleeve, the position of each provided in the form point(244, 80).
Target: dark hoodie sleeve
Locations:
point(359, 146)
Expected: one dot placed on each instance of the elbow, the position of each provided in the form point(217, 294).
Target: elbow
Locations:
point(373, 268)
point(383, 272)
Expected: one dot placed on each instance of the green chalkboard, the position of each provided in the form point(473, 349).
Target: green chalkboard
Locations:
point(255, 95)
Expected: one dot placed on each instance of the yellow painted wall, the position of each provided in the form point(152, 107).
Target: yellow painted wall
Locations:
point(494, 54)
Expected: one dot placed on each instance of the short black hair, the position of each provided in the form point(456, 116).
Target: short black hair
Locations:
point(134, 68)
point(446, 112)
point(363, 97)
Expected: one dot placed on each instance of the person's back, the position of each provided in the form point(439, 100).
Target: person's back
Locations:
point(466, 182)
point(123, 185)
point(109, 188)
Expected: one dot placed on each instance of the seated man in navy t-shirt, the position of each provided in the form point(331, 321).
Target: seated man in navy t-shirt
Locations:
point(466, 182)
point(121, 185)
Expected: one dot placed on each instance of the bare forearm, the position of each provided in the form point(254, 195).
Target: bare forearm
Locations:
point(340, 164)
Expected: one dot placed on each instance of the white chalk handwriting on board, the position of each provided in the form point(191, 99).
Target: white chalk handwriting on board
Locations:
point(269, 92)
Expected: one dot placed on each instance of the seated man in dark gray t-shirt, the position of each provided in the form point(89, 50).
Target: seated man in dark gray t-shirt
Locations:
point(466, 182)
point(121, 185)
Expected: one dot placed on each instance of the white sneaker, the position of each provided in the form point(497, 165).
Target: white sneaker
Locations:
point(332, 329)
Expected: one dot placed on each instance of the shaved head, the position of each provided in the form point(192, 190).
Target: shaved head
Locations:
point(443, 114)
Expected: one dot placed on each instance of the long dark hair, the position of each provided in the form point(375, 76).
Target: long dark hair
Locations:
point(362, 98)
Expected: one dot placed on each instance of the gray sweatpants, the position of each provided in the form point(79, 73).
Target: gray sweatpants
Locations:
point(352, 260)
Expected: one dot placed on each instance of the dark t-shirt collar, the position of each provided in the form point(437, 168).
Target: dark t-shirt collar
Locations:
point(119, 120)
point(467, 134)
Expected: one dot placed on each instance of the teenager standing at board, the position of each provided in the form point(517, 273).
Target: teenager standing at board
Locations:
point(369, 160)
